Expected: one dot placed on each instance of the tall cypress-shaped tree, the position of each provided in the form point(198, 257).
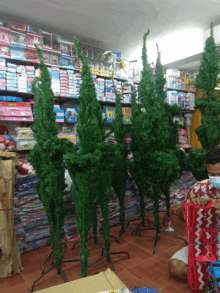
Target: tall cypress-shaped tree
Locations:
point(91, 167)
point(209, 106)
point(47, 158)
point(155, 165)
point(120, 171)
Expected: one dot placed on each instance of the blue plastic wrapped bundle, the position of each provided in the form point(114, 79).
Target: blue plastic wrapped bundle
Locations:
point(215, 274)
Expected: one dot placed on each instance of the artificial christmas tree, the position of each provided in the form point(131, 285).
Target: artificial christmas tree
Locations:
point(91, 167)
point(154, 138)
point(209, 131)
point(120, 170)
point(47, 158)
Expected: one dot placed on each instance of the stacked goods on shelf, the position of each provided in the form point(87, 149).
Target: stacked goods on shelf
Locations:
point(78, 82)
point(180, 80)
point(30, 72)
point(180, 89)
point(18, 42)
point(71, 84)
point(55, 80)
point(64, 83)
point(34, 37)
point(24, 138)
point(2, 74)
point(11, 77)
point(109, 114)
point(109, 92)
point(30, 218)
point(70, 136)
point(22, 79)
point(71, 114)
point(16, 111)
point(100, 88)
point(59, 113)
point(126, 93)
point(4, 42)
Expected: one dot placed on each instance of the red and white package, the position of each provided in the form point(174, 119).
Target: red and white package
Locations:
point(203, 232)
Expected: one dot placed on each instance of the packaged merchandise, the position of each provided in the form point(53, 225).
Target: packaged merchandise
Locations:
point(71, 114)
point(202, 227)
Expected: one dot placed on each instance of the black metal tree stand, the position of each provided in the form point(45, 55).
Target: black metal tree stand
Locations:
point(57, 265)
point(126, 225)
point(158, 231)
point(104, 254)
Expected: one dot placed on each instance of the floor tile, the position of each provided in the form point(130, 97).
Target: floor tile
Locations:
point(152, 271)
point(14, 280)
point(147, 243)
point(130, 280)
point(171, 289)
point(22, 288)
point(167, 253)
point(101, 266)
point(136, 255)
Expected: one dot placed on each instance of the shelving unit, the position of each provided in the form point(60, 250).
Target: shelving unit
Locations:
point(179, 91)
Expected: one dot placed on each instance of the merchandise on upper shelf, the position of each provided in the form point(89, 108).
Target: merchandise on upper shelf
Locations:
point(180, 80)
point(56, 39)
point(47, 41)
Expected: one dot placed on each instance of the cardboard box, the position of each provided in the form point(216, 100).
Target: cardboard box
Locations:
point(106, 281)
point(10, 262)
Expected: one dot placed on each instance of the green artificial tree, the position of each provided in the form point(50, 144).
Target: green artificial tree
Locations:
point(120, 170)
point(154, 138)
point(47, 158)
point(209, 130)
point(91, 167)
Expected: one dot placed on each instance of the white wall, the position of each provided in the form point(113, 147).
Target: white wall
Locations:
point(174, 46)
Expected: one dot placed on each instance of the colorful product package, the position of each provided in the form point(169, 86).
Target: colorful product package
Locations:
point(203, 232)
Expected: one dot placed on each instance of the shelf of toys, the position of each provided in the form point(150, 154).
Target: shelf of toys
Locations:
point(179, 89)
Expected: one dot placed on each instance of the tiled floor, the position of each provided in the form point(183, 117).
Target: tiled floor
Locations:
point(143, 269)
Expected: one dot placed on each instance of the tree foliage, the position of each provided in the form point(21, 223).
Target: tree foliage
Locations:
point(47, 157)
point(209, 130)
point(91, 167)
point(154, 138)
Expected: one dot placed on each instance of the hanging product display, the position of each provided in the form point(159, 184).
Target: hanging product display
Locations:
point(91, 167)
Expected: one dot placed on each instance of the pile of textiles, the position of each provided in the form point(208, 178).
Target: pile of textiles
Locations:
point(179, 190)
point(69, 227)
point(33, 229)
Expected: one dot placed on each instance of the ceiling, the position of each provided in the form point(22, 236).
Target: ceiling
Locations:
point(114, 24)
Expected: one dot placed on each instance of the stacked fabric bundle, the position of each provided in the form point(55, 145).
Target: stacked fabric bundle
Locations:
point(30, 218)
point(70, 229)
point(178, 190)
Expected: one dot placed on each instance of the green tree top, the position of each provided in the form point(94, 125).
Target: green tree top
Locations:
point(90, 127)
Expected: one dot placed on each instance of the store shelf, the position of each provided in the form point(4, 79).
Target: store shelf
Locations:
point(180, 91)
